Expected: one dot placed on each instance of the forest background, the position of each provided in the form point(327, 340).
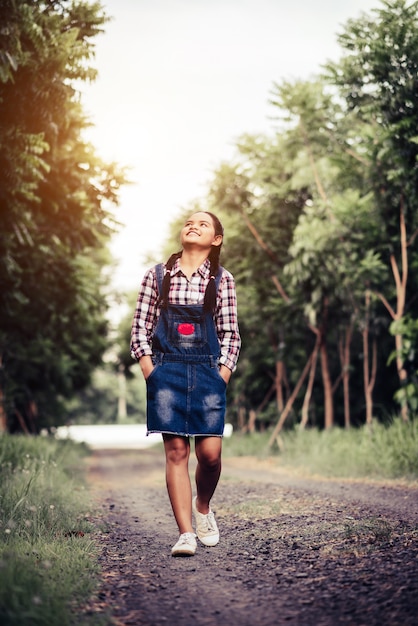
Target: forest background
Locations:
point(320, 218)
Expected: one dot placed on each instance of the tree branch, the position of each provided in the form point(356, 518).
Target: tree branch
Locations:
point(258, 237)
point(280, 289)
point(387, 305)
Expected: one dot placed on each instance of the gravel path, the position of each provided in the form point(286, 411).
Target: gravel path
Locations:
point(298, 551)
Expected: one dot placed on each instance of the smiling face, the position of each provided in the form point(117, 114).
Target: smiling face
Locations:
point(199, 231)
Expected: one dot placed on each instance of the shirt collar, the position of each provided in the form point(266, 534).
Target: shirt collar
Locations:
point(203, 270)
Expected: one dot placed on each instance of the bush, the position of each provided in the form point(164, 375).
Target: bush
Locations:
point(48, 563)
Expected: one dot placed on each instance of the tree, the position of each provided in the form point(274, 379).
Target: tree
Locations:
point(343, 154)
point(378, 77)
point(54, 201)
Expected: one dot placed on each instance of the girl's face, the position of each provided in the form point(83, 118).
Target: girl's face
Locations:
point(199, 230)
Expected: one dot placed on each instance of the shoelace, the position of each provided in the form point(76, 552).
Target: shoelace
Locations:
point(186, 538)
point(210, 521)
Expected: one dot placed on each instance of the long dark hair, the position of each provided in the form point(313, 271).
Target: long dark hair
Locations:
point(209, 302)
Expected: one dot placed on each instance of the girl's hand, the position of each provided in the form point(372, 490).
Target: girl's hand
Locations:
point(225, 373)
point(146, 365)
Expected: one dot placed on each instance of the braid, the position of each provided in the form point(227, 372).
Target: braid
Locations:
point(166, 280)
point(209, 302)
point(214, 255)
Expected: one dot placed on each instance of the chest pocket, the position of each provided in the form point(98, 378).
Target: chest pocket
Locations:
point(187, 332)
point(186, 326)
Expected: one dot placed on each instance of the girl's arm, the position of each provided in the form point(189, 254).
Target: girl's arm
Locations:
point(226, 320)
point(145, 318)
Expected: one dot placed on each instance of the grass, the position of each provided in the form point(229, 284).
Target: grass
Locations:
point(257, 508)
point(374, 530)
point(48, 560)
point(379, 451)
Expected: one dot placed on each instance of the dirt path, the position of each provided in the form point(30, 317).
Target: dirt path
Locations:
point(292, 550)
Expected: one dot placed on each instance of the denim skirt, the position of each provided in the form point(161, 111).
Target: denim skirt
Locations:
point(186, 397)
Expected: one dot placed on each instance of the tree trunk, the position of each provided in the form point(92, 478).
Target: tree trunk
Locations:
point(369, 370)
point(122, 412)
point(289, 403)
point(401, 373)
point(400, 283)
point(242, 426)
point(345, 369)
point(22, 422)
point(266, 398)
point(279, 385)
point(31, 416)
point(251, 421)
point(309, 388)
point(3, 417)
point(326, 376)
point(366, 365)
point(326, 380)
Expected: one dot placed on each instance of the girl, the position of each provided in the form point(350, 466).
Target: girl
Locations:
point(185, 336)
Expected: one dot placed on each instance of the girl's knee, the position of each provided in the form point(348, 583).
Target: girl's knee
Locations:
point(209, 459)
point(177, 451)
point(208, 451)
point(177, 457)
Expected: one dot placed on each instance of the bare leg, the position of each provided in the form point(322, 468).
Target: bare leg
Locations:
point(177, 452)
point(208, 470)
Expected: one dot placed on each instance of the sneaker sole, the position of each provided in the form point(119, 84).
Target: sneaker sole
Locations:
point(182, 553)
point(209, 541)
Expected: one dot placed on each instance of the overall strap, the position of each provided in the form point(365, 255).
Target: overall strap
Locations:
point(159, 271)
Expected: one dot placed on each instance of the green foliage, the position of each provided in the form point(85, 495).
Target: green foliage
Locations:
point(313, 226)
point(47, 559)
point(98, 403)
point(378, 77)
point(54, 202)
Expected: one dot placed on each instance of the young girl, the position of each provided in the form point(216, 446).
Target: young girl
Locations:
point(185, 336)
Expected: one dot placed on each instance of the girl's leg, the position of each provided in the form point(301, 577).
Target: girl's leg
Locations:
point(208, 470)
point(177, 452)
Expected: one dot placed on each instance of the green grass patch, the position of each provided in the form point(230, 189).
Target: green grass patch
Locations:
point(48, 560)
point(370, 531)
point(257, 508)
point(379, 451)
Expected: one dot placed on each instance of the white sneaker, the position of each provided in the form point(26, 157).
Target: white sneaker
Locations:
point(185, 546)
point(206, 527)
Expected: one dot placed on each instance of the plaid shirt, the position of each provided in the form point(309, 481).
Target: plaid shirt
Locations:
point(183, 291)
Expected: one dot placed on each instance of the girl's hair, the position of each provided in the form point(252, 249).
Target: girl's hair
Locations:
point(209, 302)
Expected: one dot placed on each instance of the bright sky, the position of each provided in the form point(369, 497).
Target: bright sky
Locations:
point(179, 82)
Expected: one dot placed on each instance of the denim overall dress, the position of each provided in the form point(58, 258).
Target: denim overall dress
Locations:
point(186, 395)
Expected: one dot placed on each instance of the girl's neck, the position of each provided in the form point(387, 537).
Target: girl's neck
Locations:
point(190, 260)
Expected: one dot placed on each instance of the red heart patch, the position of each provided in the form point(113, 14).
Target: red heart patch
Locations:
point(185, 329)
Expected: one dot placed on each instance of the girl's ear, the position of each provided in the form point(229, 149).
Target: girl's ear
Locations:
point(217, 240)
